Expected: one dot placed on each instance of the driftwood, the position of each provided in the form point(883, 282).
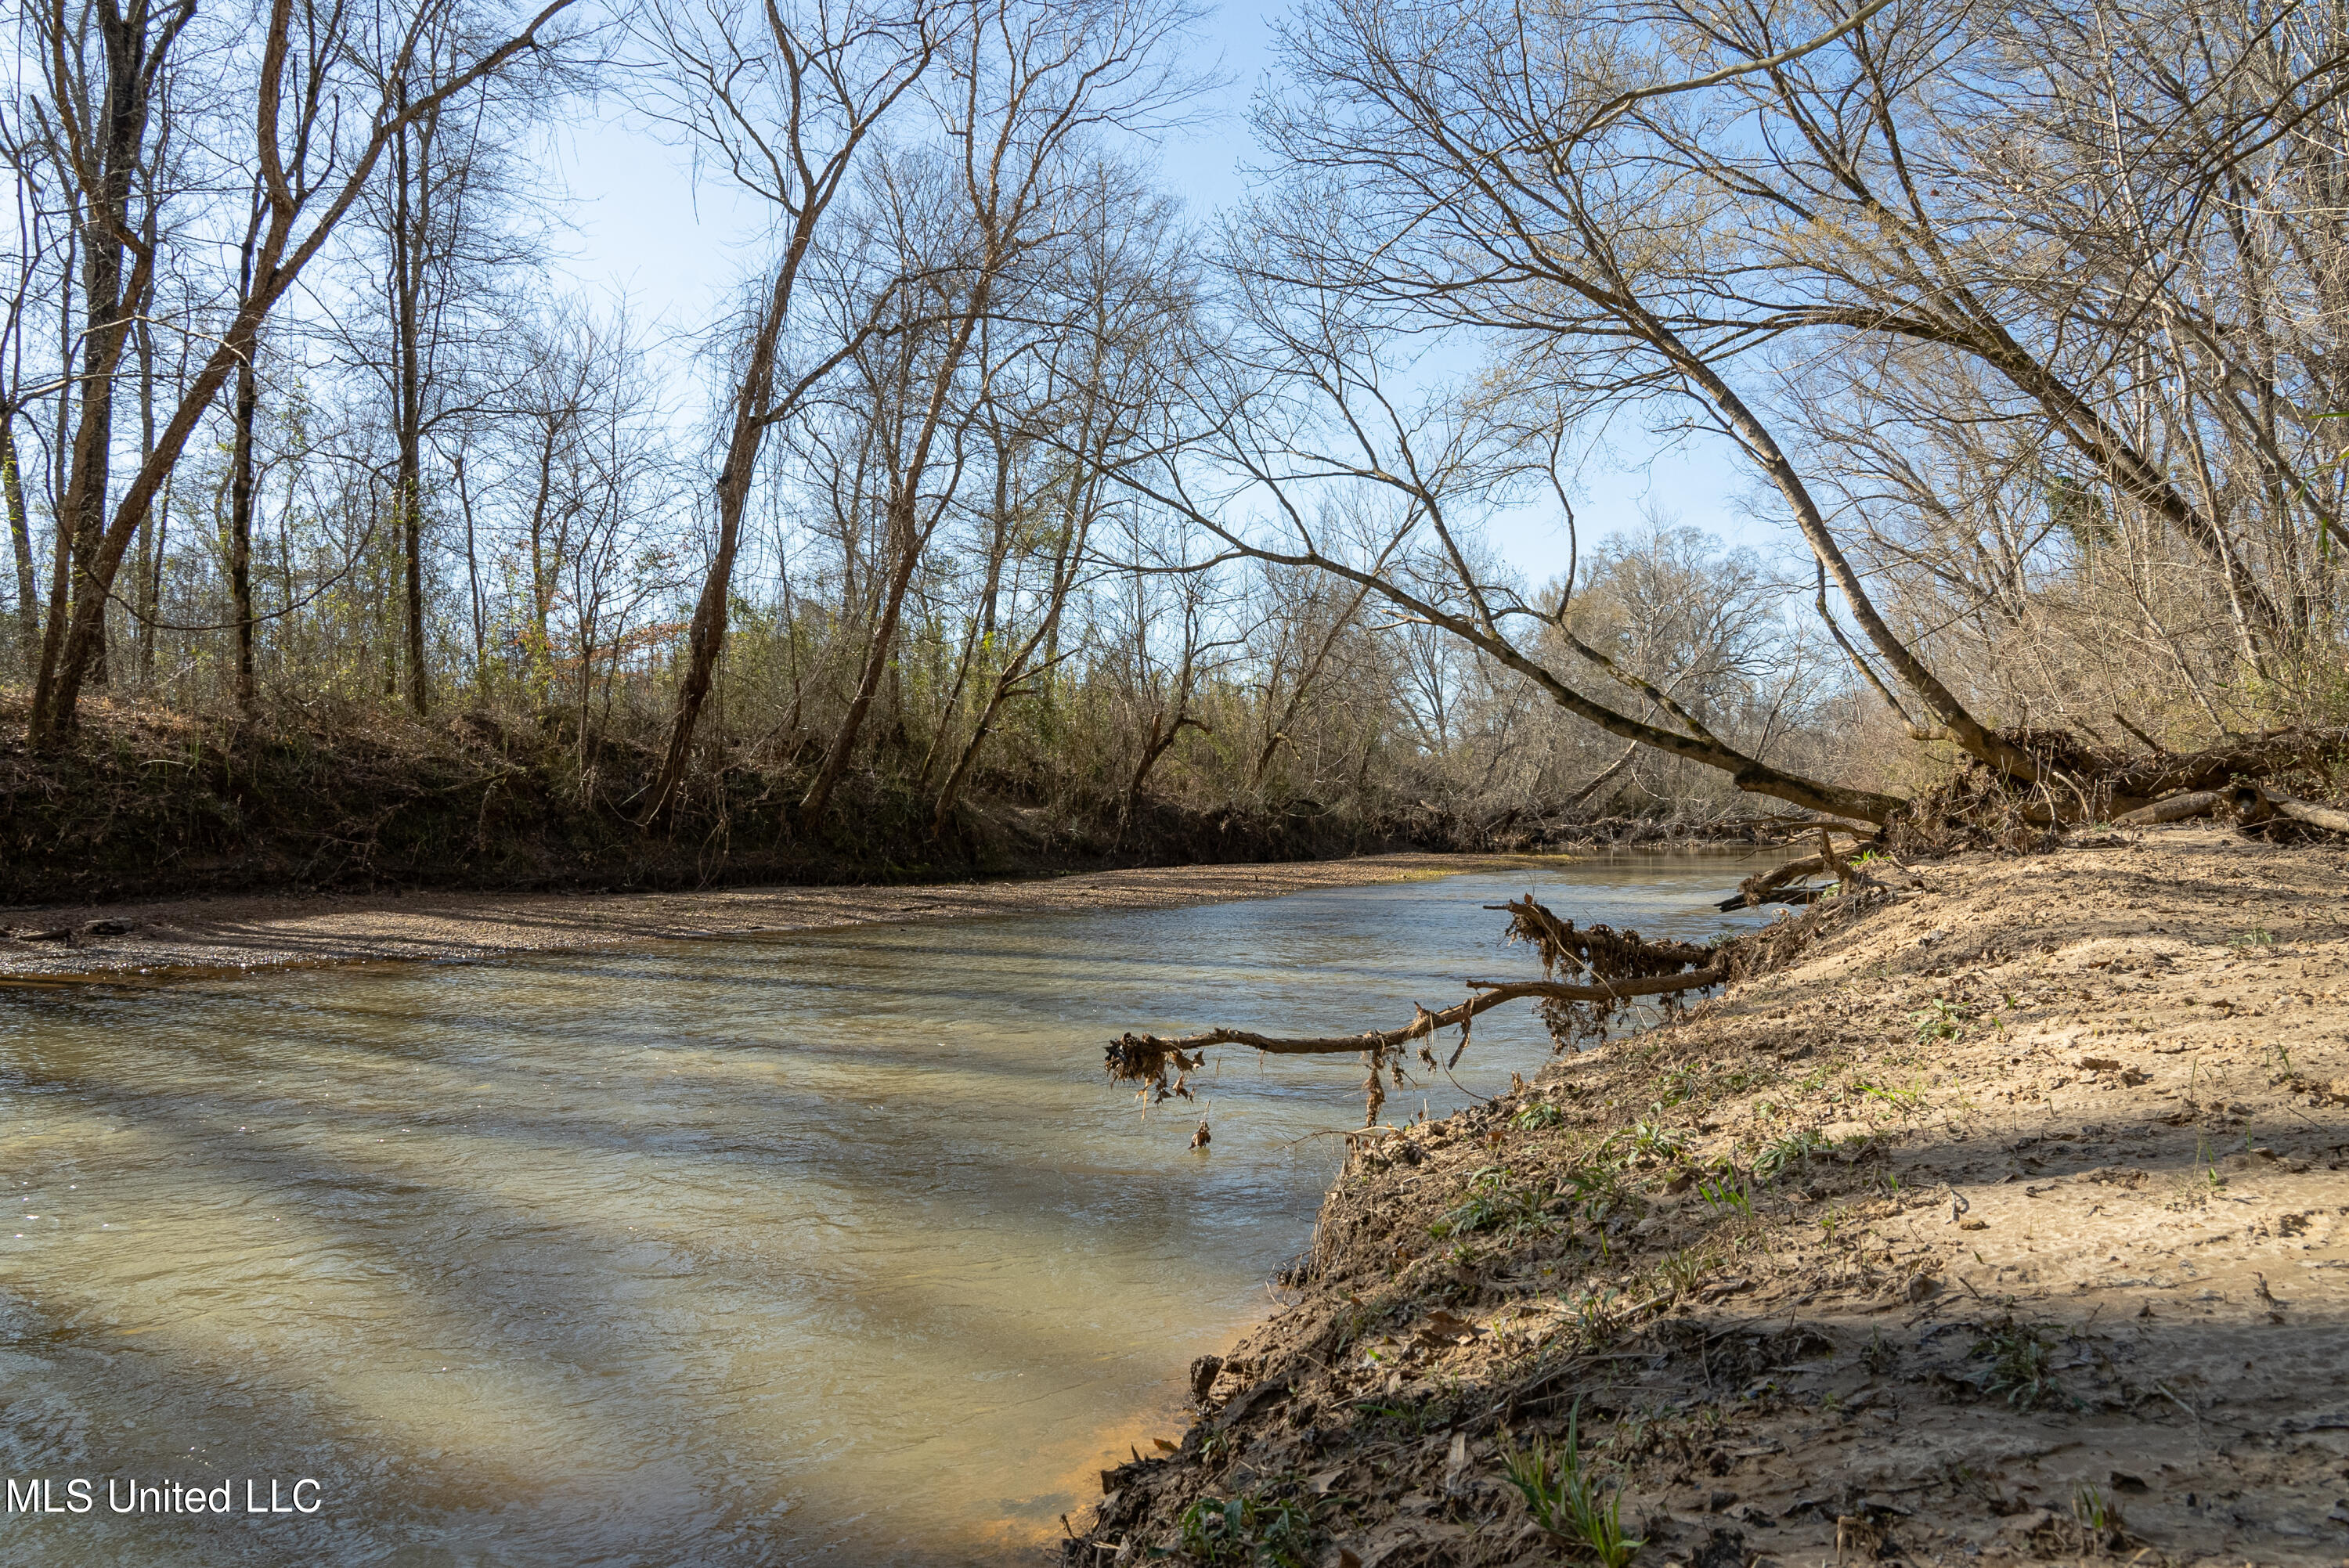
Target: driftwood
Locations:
point(1776, 885)
point(1595, 950)
point(2175, 808)
point(2240, 757)
point(2255, 803)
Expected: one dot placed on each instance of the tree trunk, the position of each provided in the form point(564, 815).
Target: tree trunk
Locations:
point(68, 650)
point(904, 515)
point(408, 252)
point(106, 331)
point(150, 589)
point(473, 584)
point(240, 533)
point(707, 635)
point(876, 663)
point(1277, 731)
point(20, 539)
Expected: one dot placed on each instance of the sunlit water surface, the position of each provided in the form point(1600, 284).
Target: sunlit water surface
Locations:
point(828, 1248)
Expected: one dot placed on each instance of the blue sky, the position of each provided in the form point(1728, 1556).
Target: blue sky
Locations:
point(675, 247)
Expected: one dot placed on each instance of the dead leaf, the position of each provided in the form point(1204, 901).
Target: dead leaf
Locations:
point(1443, 1328)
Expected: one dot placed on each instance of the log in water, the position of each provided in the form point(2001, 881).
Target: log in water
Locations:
point(834, 1247)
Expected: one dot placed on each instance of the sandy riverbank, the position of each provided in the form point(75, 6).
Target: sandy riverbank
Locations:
point(2011, 1223)
point(113, 940)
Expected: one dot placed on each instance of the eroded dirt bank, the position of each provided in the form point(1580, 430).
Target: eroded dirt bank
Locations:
point(102, 939)
point(2009, 1223)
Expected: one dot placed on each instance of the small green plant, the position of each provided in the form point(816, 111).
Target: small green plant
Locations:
point(2093, 1509)
point(1412, 1419)
point(2206, 1179)
point(1877, 1355)
point(1595, 1190)
point(1594, 1312)
point(1794, 1148)
point(1541, 1113)
point(1652, 1138)
point(1493, 1202)
point(1727, 1192)
point(1567, 1501)
point(1679, 1085)
point(1944, 1020)
point(1906, 1101)
point(2257, 936)
point(1245, 1531)
point(1683, 1273)
point(2022, 1363)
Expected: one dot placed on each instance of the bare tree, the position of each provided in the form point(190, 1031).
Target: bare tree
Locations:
point(298, 151)
point(1031, 85)
point(784, 99)
point(1108, 308)
point(95, 118)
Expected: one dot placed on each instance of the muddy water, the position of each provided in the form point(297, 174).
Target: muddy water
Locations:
point(832, 1248)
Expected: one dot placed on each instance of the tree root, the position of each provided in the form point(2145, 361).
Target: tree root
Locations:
point(1598, 950)
point(1775, 886)
point(1981, 808)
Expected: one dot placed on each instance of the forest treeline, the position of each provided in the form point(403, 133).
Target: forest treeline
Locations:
point(1008, 508)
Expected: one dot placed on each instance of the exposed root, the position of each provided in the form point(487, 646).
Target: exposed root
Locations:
point(1598, 951)
point(1982, 807)
point(1145, 1059)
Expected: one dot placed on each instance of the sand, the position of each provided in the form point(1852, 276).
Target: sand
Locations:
point(2054, 1265)
point(228, 934)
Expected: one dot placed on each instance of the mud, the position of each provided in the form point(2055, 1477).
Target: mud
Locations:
point(2009, 1223)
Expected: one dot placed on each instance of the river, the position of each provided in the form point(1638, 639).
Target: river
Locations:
point(828, 1248)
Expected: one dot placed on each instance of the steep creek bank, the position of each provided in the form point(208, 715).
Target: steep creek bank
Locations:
point(2009, 1222)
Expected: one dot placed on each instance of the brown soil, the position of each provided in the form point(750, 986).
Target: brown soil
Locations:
point(227, 933)
point(2031, 1243)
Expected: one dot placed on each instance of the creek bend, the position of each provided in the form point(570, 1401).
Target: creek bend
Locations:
point(828, 1247)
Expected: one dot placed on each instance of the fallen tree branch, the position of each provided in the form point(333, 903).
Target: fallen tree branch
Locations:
point(1131, 1051)
point(2151, 745)
point(1764, 887)
point(2238, 758)
point(2173, 808)
point(1600, 951)
point(2256, 803)
point(1588, 791)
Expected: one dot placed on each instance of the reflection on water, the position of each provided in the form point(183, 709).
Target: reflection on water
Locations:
point(834, 1247)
